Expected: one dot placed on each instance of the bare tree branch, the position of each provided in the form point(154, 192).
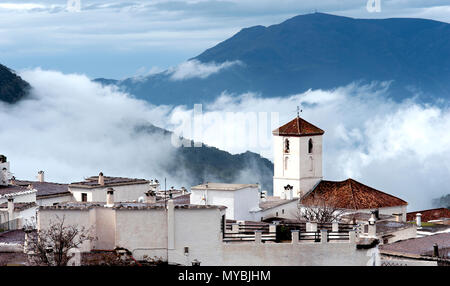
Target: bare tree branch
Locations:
point(59, 238)
point(319, 210)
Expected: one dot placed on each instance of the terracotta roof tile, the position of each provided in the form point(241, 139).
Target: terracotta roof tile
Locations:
point(11, 189)
point(427, 215)
point(350, 194)
point(417, 247)
point(92, 182)
point(19, 206)
point(45, 189)
point(298, 127)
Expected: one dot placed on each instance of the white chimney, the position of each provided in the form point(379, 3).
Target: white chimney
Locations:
point(419, 220)
point(289, 194)
point(151, 197)
point(10, 208)
point(263, 196)
point(101, 179)
point(5, 175)
point(41, 176)
point(372, 230)
point(110, 197)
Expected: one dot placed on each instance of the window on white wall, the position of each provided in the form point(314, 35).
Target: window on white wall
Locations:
point(286, 145)
point(286, 162)
point(310, 146)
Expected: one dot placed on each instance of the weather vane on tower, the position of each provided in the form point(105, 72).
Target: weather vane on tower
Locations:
point(299, 110)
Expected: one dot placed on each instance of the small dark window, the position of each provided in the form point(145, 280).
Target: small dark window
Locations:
point(223, 225)
point(310, 146)
point(83, 197)
point(282, 211)
point(286, 146)
point(186, 250)
point(276, 214)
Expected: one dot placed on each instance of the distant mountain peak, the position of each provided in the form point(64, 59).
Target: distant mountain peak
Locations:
point(316, 51)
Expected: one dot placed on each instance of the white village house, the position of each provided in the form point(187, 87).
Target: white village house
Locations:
point(243, 201)
point(213, 226)
point(224, 224)
point(17, 203)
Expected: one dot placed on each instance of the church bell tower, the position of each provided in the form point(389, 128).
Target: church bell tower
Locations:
point(297, 158)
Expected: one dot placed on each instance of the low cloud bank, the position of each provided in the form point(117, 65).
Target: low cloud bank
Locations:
point(196, 69)
point(400, 148)
point(74, 128)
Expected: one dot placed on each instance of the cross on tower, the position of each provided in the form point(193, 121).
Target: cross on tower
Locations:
point(298, 111)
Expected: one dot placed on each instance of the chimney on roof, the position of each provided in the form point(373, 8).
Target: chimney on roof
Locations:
point(419, 220)
point(13, 180)
point(101, 179)
point(183, 190)
point(110, 197)
point(40, 176)
point(150, 197)
point(263, 196)
point(435, 250)
point(372, 229)
point(4, 171)
point(10, 208)
point(398, 217)
point(288, 192)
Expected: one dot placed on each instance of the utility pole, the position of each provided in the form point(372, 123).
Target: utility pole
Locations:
point(165, 193)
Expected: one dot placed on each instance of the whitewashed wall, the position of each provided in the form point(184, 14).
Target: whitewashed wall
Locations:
point(290, 212)
point(287, 254)
point(303, 170)
point(198, 229)
point(389, 211)
point(143, 232)
point(104, 228)
point(26, 197)
point(80, 218)
point(50, 201)
point(238, 202)
point(146, 232)
point(125, 193)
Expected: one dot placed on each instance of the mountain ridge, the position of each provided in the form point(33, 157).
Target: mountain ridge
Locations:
point(315, 51)
point(12, 87)
point(208, 163)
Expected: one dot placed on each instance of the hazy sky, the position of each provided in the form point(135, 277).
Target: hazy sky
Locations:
point(117, 38)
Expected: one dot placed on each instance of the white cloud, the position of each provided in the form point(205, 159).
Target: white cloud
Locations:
point(197, 69)
point(21, 6)
point(400, 148)
point(73, 128)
